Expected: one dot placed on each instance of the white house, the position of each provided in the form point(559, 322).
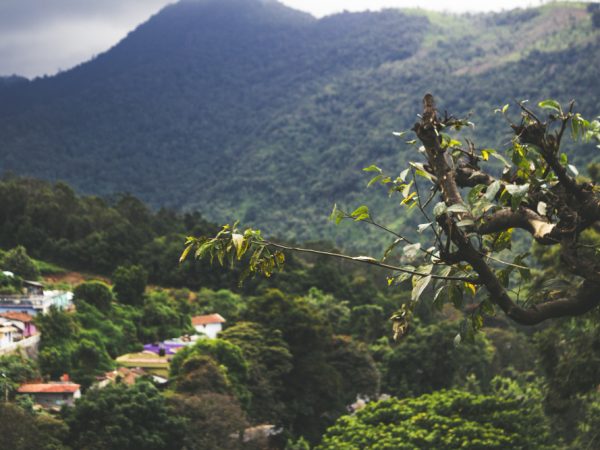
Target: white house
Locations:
point(209, 325)
point(7, 334)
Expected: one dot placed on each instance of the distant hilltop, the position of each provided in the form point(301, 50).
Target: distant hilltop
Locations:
point(252, 110)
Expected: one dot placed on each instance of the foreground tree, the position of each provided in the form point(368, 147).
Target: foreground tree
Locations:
point(472, 225)
point(448, 420)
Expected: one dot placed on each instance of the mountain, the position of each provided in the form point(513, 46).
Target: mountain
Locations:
point(249, 109)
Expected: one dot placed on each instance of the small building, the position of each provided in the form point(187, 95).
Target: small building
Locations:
point(35, 303)
point(127, 376)
point(210, 325)
point(51, 395)
point(33, 287)
point(7, 334)
point(21, 320)
point(150, 362)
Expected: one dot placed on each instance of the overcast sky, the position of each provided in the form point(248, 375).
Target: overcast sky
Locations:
point(40, 37)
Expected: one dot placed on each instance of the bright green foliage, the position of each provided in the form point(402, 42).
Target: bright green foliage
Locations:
point(95, 293)
point(18, 262)
point(130, 284)
point(119, 417)
point(511, 418)
point(83, 343)
point(428, 359)
point(269, 361)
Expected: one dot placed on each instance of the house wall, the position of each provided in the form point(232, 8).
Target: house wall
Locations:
point(209, 330)
point(28, 345)
point(48, 400)
point(19, 308)
point(6, 338)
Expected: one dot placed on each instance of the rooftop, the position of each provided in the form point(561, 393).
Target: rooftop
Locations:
point(208, 319)
point(19, 316)
point(48, 388)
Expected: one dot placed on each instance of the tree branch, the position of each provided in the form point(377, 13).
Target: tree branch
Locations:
point(538, 226)
point(584, 299)
point(365, 260)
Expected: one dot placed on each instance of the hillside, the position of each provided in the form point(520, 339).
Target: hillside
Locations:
point(251, 110)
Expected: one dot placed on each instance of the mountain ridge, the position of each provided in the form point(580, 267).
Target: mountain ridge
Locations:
point(252, 110)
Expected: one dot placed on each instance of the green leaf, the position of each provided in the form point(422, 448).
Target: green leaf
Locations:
point(458, 208)
point(501, 158)
point(518, 192)
point(360, 213)
point(474, 193)
point(550, 104)
point(238, 242)
point(505, 108)
point(492, 190)
point(419, 287)
point(185, 253)
point(374, 180)
point(398, 134)
point(372, 168)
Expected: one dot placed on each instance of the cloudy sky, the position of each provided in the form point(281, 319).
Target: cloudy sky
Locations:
point(40, 37)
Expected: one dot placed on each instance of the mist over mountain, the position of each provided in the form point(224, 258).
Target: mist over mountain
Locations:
point(249, 109)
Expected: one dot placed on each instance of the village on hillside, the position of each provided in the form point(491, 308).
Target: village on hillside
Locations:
point(18, 334)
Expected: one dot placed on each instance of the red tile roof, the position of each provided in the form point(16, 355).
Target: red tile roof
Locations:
point(205, 320)
point(19, 316)
point(48, 388)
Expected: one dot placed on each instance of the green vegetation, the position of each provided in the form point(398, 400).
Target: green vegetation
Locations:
point(509, 417)
point(305, 104)
point(137, 417)
point(324, 352)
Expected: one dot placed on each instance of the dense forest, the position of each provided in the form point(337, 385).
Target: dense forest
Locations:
point(208, 93)
point(297, 351)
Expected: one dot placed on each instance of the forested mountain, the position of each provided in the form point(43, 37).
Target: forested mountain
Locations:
point(248, 109)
